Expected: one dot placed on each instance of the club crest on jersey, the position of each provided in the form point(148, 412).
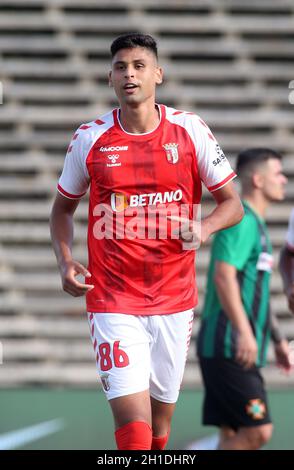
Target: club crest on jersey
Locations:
point(172, 153)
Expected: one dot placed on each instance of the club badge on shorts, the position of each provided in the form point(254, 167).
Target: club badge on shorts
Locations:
point(256, 409)
point(172, 153)
point(105, 382)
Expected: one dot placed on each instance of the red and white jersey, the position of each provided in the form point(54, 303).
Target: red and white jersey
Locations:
point(290, 233)
point(143, 275)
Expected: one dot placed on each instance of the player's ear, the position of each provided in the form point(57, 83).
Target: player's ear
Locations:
point(257, 180)
point(159, 76)
point(110, 79)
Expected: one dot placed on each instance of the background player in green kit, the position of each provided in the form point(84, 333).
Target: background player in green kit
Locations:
point(236, 322)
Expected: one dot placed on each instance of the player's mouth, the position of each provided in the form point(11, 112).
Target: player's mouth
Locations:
point(130, 88)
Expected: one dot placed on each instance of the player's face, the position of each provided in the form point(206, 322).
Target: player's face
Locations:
point(274, 180)
point(134, 75)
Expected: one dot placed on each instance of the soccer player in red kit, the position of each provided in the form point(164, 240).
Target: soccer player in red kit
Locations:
point(140, 288)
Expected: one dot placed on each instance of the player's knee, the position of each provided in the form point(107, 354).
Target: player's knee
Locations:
point(259, 436)
point(160, 425)
point(266, 432)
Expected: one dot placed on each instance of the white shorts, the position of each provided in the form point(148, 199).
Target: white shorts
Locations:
point(137, 353)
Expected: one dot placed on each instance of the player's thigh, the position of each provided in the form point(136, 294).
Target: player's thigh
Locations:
point(129, 408)
point(122, 353)
point(257, 436)
point(169, 353)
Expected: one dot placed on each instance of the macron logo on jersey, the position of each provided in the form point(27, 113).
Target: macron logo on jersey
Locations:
point(120, 202)
point(114, 149)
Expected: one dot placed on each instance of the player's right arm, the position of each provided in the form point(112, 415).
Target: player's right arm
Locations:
point(232, 248)
point(61, 228)
point(72, 186)
point(228, 290)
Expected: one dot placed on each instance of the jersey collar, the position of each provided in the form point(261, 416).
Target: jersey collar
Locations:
point(144, 136)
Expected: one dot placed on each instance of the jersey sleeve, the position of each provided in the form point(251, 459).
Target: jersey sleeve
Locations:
point(74, 180)
point(290, 233)
point(234, 244)
point(214, 168)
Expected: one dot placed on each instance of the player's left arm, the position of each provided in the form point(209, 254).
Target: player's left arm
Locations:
point(281, 345)
point(283, 355)
point(286, 266)
point(228, 211)
point(216, 173)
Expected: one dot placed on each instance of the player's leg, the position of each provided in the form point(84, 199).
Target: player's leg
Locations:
point(161, 416)
point(226, 432)
point(242, 401)
point(249, 438)
point(121, 346)
point(251, 412)
point(171, 334)
point(235, 399)
point(134, 407)
point(161, 421)
point(132, 417)
point(213, 413)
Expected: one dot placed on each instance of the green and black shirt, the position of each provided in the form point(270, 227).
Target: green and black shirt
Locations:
point(247, 247)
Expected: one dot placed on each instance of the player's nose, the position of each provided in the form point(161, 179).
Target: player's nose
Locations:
point(129, 72)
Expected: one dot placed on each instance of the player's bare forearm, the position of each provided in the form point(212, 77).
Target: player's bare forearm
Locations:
point(286, 266)
point(228, 290)
point(276, 334)
point(283, 355)
point(229, 211)
point(61, 227)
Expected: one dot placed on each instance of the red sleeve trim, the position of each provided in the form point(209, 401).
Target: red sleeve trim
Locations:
point(222, 183)
point(70, 196)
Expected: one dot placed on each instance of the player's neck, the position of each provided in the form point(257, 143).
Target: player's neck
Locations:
point(258, 202)
point(141, 119)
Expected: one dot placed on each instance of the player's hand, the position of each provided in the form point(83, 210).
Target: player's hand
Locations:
point(246, 349)
point(282, 353)
point(69, 271)
point(290, 297)
point(191, 232)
